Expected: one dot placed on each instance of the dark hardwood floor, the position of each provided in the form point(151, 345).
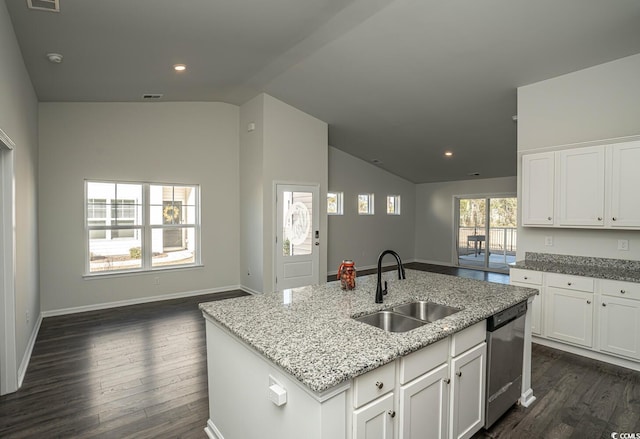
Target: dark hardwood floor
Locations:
point(140, 372)
point(131, 372)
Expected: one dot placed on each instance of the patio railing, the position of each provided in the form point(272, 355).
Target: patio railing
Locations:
point(501, 239)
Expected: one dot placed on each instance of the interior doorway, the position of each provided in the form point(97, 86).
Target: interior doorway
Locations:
point(8, 360)
point(486, 237)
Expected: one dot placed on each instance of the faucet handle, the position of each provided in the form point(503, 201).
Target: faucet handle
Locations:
point(385, 288)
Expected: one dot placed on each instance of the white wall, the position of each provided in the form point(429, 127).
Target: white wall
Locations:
point(251, 195)
point(19, 119)
point(363, 237)
point(287, 146)
point(435, 214)
point(156, 142)
point(601, 102)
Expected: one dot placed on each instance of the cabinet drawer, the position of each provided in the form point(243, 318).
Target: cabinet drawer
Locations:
point(525, 276)
point(373, 384)
point(468, 338)
point(628, 290)
point(576, 283)
point(422, 361)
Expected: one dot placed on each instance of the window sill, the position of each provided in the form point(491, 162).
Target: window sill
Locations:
point(102, 275)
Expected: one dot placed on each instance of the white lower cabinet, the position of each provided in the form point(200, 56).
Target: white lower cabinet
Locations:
point(570, 316)
point(468, 376)
point(375, 420)
point(600, 317)
point(531, 279)
point(619, 318)
point(424, 405)
point(439, 389)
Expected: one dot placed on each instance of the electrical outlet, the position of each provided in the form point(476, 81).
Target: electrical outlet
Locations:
point(548, 240)
point(623, 244)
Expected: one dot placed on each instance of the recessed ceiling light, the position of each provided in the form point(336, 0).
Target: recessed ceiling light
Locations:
point(448, 153)
point(179, 67)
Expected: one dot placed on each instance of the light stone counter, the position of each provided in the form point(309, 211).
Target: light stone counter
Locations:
point(310, 334)
point(600, 268)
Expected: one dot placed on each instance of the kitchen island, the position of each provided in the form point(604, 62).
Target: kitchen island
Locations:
point(306, 343)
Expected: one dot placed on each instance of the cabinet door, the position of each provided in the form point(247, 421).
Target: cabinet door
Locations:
point(538, 189)
point(536, 308)
point(468, 377)
point(620, 326)
point(569, 316)
point(624, 209)
point(375, 420)
point(581, 189)
point(423, 405)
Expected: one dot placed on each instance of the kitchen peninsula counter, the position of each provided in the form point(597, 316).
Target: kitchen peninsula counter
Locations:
point(310, 334)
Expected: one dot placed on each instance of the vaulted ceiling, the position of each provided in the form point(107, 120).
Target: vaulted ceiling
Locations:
point(398, 81)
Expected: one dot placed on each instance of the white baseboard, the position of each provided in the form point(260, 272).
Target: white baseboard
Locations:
point(212, 431)
point(22, 370)
point(426, 261)
point(119, 303)
point(249, 290)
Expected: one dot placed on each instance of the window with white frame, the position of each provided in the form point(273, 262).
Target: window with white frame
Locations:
point(365, 204)
point(334, 203)
point(393, 204)
point(141, 226)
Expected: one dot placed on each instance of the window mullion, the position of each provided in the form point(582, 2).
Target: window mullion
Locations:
point(147, 252)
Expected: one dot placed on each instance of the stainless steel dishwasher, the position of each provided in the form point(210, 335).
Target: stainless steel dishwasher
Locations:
point(505, 348)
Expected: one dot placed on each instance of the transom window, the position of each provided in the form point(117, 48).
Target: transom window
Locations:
point(393, 204)
point(141, 226)
point(334, 203)
point(365, 204)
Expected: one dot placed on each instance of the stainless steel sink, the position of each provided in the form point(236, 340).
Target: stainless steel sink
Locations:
point(425, 311)
point(391, 321)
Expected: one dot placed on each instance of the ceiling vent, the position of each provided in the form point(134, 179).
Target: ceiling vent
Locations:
point(152, 96)
point(44, 5)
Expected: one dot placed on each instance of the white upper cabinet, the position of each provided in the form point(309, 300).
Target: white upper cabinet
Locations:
point(624, 178)
point(590, 187)
point(581, 189)
point(538, 189)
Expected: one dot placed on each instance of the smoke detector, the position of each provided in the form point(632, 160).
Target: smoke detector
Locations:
point(44, 5)
point(55, 58)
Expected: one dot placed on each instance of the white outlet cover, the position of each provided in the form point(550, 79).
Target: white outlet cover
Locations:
point(623, 244)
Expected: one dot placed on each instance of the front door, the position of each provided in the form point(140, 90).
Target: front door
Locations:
point(297, 236)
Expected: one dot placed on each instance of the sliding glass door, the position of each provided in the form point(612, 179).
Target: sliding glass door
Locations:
point(486, 237)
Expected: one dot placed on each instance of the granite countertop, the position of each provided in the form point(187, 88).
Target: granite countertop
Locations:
point(309, 331)
point(600, 268)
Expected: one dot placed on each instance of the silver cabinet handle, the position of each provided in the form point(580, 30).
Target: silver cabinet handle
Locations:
point(459, 373)
point(392, 413)
point(379, 384)
point(588, 302)
point(604, 304)
point(447, 381)
point(622, 291)
point(599, 218)
point(569, 283)
point(549, 218)
point(614, 218)
point(525, 278)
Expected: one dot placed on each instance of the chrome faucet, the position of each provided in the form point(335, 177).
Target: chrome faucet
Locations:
point(379, 291)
